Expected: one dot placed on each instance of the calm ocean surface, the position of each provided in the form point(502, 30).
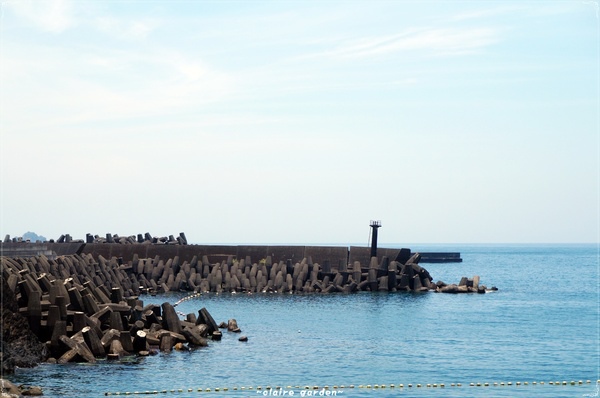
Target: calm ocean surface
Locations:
point(542, 325)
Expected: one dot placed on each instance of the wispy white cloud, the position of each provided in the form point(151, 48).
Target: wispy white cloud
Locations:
point(126, 29)
point(225, 97)
point(486, 12)
point(435, 41)
point(52, 16)
point(539, 9)
point(409, 81)
point(111, 85)
point(57, 16)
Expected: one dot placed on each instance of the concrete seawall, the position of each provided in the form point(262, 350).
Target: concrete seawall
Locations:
point(332, 255)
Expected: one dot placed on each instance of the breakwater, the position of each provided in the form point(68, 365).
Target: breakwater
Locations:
point(85, 306)
point(160, 264)
point(85, 309)
point(179, 268)
point(169, 247)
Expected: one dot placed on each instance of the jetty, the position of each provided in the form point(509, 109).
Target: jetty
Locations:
point(440, 257)
point(82, 299)
point(146, 264)
point(148, 246)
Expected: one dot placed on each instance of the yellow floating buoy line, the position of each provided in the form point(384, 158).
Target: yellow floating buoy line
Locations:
point(329, 391)
point(186, 298)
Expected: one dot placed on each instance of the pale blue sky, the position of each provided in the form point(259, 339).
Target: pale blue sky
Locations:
point(300, 121)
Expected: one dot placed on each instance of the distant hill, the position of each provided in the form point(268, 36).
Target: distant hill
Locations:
point(33, 237)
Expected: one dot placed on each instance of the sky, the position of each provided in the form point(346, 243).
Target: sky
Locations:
point(301, 121)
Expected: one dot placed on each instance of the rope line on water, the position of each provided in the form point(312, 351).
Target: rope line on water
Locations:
point(186, 298)
point(279, 391)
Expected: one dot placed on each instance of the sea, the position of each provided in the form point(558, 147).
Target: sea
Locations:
point(537, 335)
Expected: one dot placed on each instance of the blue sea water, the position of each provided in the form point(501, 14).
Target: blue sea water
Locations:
point(542, 325)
